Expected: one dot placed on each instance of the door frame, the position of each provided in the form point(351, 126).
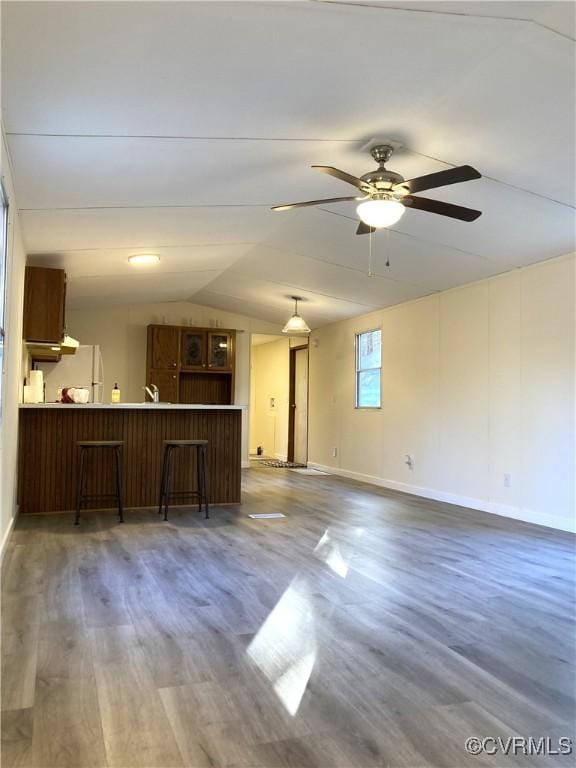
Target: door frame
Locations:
point(291, 398)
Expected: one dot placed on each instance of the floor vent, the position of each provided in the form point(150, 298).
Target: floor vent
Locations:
point(267, 515)
point(277, 463)
point(309, 471)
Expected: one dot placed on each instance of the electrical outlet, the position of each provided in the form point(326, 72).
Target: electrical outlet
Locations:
point(507, 480)
point(334, 452)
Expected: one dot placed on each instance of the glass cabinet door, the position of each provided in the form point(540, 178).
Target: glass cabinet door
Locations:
point(193, 349)
point(219, 351)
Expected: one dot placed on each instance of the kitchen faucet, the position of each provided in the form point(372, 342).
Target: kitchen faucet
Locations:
point(153, 393)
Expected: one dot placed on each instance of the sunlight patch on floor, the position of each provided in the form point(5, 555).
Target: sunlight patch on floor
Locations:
point(284, 649)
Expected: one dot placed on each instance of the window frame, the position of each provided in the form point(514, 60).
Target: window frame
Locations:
point(359, 370)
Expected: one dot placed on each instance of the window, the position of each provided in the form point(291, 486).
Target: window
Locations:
point(368, 369)
point(3, 251)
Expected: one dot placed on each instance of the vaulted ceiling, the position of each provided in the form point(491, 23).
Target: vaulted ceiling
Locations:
point(173, 127)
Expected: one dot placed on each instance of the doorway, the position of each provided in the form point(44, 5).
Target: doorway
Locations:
point(269, 396)
point(298, 411)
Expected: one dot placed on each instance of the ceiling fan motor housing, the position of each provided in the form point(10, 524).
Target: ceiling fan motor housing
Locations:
point(385, 181)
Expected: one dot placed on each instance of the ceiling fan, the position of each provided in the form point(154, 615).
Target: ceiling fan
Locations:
point(386, 194)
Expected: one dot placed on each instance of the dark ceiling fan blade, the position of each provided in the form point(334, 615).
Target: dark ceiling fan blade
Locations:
point(289, 206)
point(443, 178)
point(364, 229)
point(444, 209)
point(363, 186)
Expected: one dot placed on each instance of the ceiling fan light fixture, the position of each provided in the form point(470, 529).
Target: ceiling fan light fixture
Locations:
point(296, 324)
point(380, 213)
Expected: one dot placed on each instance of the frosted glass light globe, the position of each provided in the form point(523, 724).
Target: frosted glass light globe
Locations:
point(380, 213)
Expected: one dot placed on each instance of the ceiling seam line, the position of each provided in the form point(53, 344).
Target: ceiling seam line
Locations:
point(147, 274)
point(445, 13)
point(415, 237)
point(307, 290)
point(339, 266)
point(56, 251)
point(176, 137)
point(143, 207)
point(372, 307)
point(342, 141)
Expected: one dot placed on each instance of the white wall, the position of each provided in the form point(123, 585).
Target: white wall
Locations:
point(270, 379)
point(477, 382)
point(121, 333)
point(13, 356)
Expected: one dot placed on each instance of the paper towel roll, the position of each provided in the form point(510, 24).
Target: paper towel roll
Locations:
point(29, 394)
point(36, 381)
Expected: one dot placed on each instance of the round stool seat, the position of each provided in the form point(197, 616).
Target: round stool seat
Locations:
point(185, 442)
point(100, 443)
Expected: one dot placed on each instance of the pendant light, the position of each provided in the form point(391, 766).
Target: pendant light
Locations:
point(296, 324)
point(380, 213)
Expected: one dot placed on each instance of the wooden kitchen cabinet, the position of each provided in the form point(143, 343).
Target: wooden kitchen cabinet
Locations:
point(193, 350)
point(167, 382)
point(219, 350)
point(191, 365)
point(44, 304)
point(163, 347)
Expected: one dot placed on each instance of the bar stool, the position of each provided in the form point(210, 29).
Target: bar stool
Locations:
point(201, 448)
point(81, 495)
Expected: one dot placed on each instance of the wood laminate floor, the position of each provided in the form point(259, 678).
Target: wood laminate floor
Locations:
point(368, 628)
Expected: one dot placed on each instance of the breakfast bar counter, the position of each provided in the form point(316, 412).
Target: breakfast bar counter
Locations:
point(48, 456)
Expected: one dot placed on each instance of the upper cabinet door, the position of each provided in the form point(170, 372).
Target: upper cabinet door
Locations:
point(165, 347)
point(44, 303)
point(193, 350)
point(219, 350)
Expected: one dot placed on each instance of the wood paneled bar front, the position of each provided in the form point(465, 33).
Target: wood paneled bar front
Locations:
point(48, 457)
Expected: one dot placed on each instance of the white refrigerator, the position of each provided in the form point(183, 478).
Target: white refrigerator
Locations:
point(83, 369)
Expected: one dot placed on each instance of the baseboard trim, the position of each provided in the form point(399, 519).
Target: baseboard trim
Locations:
point(245, 465)
point(480, 505)
point(281, 456)
point(7, 533)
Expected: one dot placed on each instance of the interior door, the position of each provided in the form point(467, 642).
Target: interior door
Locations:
point(301, 406)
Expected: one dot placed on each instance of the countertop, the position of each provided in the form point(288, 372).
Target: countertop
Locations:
point(133, 406)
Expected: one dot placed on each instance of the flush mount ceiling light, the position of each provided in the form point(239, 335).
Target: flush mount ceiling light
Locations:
point(296, 324)
point(380, 213)
point(144, 258)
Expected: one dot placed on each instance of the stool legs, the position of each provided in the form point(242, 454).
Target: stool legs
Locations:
point(201, 480)
point(118, 453)
point(168, 485)
point(203, 488)
point(82, 496)
point(163, 480)
point(80, 486)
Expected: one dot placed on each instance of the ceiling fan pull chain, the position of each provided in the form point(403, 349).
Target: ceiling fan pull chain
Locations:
point(370, 255)
point(387, 247)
